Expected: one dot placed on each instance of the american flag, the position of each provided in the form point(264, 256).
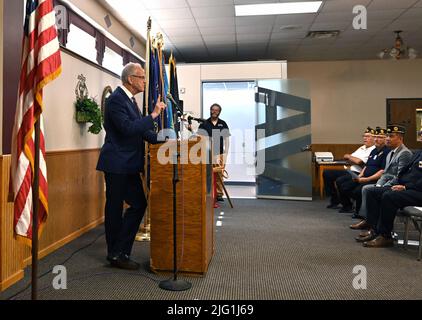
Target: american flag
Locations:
point(40, 64)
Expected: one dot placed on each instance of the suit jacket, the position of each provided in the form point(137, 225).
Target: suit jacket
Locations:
point(401, 159)
point(126, 129)
point(411, 175)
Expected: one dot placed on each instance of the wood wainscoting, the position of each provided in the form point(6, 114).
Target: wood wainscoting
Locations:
point(338, 150)
point(76, 205)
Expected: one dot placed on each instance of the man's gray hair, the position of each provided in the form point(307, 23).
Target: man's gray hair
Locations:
point(129, 70)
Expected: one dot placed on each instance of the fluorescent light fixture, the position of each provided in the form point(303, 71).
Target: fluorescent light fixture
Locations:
point(277, 8)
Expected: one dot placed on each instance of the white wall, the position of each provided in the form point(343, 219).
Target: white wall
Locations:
point(190, 77)
point(1, 75)
point(62, 132)
point(347, 96)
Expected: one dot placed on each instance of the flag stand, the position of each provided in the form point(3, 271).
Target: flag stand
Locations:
point(35, 206)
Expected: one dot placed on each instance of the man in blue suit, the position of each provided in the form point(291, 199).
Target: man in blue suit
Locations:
point(122, 159)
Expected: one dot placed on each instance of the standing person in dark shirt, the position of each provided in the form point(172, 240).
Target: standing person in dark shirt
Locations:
point(218, 130)
point(352, 188)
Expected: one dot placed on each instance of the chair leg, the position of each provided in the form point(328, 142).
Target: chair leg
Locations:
point(225, 190)
point(420, 242)
point(406, 232)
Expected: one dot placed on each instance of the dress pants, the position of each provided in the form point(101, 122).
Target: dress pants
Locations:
point(349, 189)
point(330, 177)
point(382, 205)
point(121, 227)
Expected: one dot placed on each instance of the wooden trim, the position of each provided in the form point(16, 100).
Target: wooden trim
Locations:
point(76, 205)
point(53, 247)
point(67, 152)
point(10, 281)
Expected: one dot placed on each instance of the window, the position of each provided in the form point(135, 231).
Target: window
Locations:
point(113, 61)
point(81, 43)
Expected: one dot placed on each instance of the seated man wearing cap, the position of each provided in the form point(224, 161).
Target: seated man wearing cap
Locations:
point(396, 161)
point(357, 159)
point(350, 187)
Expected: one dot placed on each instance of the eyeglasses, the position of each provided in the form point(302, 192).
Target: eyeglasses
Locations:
point(136, 76)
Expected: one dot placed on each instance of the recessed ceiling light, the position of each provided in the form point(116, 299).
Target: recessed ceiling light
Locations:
point(277, 8)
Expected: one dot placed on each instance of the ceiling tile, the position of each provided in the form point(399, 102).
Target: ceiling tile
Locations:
point(252, 21)
point(384, 14)
point(256, 1)
point(176, 32)
point(219, 39)
point(406, 25)
point(164, 4)
point(215, 22)
point(338, 25)
point(342, 5)
point(257, 29)
point(334, 17)
point(222, 50)
point(208, 3)
point(186, 40)
point(390, 4)
point(171, 14)
point(218, 30)
point(185, 23)
point(253, 38)
point(300, 19)
point(412, 13)
point(215, 11)
point(289, 35)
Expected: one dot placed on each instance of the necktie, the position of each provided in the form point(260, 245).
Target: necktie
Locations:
point(136, 105)
point(392, 155)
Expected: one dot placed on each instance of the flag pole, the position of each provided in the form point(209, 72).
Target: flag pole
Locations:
point(144, 233)
point(35, 206)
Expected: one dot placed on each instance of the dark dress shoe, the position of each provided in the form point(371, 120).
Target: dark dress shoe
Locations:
point(124, 262)
point(347, 210)
point(361, 225)
point(357, 216)
point(220, 198)
point(363, 237)
point(379, 242)
point(333, 206)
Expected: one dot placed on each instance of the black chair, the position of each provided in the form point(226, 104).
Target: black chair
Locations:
point(415, 215)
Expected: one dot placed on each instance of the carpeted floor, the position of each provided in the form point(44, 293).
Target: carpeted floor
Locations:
point(264, 250)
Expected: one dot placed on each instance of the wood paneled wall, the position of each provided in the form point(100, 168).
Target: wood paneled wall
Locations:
point(338, 150)
point(76, 205)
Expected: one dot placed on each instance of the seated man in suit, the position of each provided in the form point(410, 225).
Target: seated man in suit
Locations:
point(122, 159)
point(383, 203)
point(397, 159)
point(349, 187)
point(357, 159)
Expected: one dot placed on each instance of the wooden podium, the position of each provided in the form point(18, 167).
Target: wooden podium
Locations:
point(195, 211)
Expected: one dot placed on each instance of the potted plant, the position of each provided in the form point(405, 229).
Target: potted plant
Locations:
point(87, 109)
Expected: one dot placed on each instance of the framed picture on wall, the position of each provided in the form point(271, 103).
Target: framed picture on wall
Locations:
point(419, 124)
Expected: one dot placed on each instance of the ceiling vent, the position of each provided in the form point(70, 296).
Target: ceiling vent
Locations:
point(290, 27)
point(323, 34)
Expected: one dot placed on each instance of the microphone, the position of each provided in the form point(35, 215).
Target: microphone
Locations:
point(200, 120)
point(170, 97)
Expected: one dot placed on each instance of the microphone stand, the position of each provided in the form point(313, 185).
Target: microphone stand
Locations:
point(175, 284)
